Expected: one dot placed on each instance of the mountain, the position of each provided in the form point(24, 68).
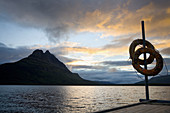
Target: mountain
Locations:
point(161, 80)
point(39, 68)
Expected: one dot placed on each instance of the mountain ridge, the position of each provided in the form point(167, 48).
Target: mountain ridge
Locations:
point(39, 68)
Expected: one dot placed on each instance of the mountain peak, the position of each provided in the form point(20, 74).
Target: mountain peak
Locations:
point(47, 52)
point(47, 57)
point(39, 53)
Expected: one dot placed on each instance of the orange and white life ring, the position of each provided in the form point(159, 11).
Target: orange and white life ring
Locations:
point(155, 70)
point(137, 42)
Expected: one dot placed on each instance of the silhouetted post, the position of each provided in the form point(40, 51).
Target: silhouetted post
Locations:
point(145, 63)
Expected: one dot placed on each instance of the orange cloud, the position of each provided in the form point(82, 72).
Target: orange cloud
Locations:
point(105, 51)
point(122, 21)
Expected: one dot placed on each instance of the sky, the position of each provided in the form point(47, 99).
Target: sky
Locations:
point(91, 37)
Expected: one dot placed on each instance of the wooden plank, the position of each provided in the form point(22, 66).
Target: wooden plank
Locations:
point(134, 109)
point(163, 109)
point(122, 107)
point(151, 106)
point(144, 108)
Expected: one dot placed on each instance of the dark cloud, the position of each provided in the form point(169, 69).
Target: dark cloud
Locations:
point(121, 41)
point(139, 4)
point(13, 54)
point(59, 31)
point(51, 16)
point(116, 63)
point(87, 67)
point(82, 67)
point(9, 54)
point(58, 18)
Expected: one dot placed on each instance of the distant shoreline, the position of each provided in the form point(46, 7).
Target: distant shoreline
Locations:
point(90, 84)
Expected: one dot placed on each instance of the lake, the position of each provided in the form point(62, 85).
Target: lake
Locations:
point(66, 99)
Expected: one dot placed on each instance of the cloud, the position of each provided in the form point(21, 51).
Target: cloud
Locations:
point(113, 72)
point(86, 67)
point(51, 16)
point(9, 54)
point(2, 45)
point(79, 49)
point(107, 71)
point(166, 51)
point(124, 40)
point(58, 32)
point(116, 63)
point(118, 21)
point(117, 77)
point(12, 54)
point(106, 50)
point(62, 17)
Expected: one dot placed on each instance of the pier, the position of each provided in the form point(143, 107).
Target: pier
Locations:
point(151, 106)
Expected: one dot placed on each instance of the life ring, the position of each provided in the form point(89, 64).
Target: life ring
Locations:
point(155, 70)
point(140, 42)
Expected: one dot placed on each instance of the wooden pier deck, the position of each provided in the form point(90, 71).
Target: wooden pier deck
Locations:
point(142, 107)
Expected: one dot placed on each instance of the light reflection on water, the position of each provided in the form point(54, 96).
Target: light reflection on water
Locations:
point(73, 98)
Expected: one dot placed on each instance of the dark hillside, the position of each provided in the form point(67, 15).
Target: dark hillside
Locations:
point(39, 68)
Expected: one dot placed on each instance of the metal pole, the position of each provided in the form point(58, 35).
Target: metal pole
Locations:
point(145, 63)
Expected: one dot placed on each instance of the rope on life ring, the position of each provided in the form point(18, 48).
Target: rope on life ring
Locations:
point(155, 70)
point(137, 42)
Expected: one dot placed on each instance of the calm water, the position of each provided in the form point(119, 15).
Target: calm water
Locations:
point(68, 99)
